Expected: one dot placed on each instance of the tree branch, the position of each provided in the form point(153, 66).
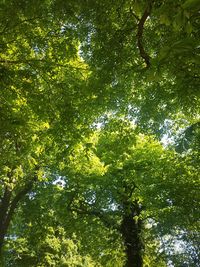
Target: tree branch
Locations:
point(134, 15)
point(141, 23)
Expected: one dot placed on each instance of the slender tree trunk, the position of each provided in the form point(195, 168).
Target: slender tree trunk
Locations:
point(8, 206)
point(3, 231)
point(131, 228)
point(4, 207)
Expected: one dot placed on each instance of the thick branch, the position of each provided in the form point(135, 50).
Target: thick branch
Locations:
point(141, 23)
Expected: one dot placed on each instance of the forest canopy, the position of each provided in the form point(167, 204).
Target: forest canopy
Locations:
point(99, 133)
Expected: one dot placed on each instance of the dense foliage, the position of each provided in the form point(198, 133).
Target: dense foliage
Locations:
point(99, 133)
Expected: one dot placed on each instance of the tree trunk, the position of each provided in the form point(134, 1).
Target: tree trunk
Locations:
point(131, 228)
point(8, 206)
point(3, 231)
point(4, 207)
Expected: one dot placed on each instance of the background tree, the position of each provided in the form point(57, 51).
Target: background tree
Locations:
point(136, 190)
point(43, 98)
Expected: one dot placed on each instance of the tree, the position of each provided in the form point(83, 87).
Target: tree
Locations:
point(64, 68)
point(136, 189)
point(149, 53)
point(51, 244)
point(44, 93)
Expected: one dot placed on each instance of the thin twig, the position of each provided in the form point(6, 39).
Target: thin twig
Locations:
point(134, 15)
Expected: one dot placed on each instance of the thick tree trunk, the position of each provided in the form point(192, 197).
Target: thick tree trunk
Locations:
point(131, 228)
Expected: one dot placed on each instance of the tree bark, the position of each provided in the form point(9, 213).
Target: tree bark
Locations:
point(8, 206)
point(4, 207)
point(131, 229)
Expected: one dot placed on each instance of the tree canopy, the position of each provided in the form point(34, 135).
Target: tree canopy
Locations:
point(99, 133)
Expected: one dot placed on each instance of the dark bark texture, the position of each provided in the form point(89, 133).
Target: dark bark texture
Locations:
point(8, 204)
point(131, 228)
